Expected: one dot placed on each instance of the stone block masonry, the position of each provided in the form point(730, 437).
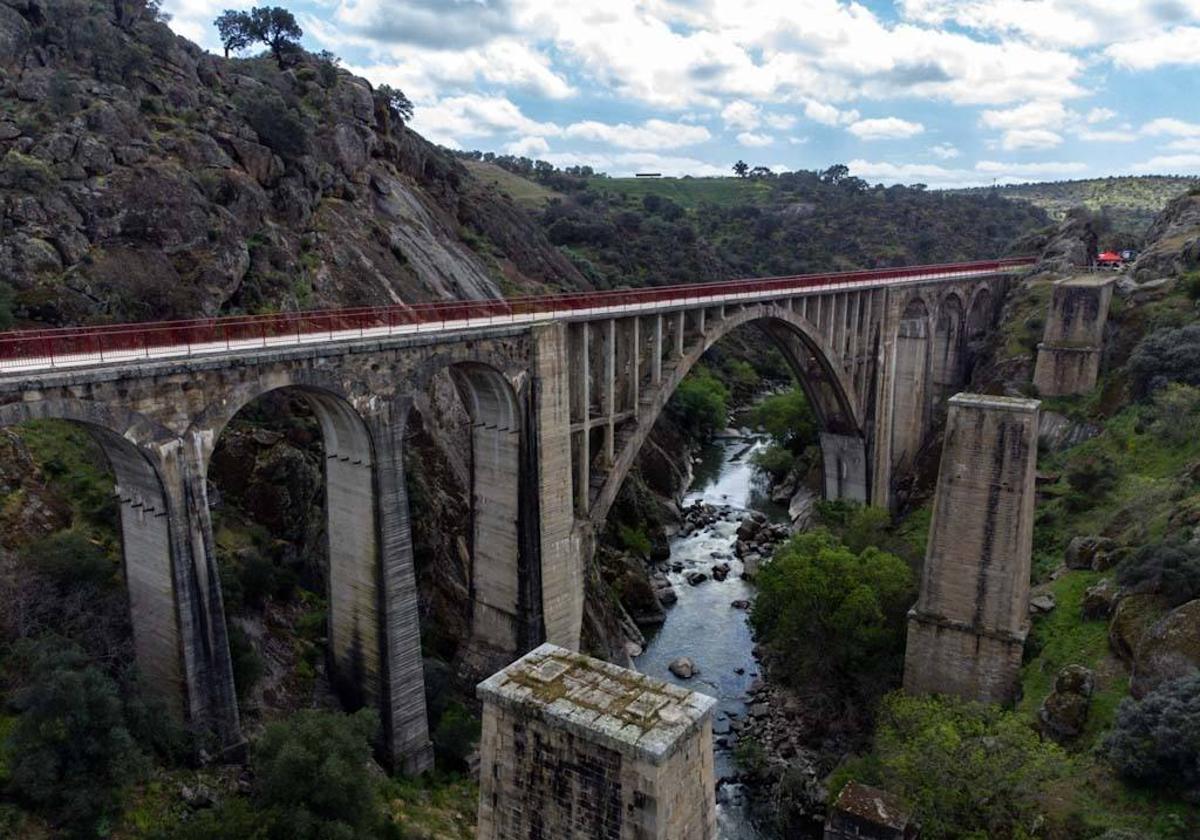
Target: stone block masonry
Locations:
point(1068, 360)
point(576, 748)
point(967, 630)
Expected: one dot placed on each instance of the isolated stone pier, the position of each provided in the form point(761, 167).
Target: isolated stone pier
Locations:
point(1068, 360)
point(578, 749)
point(968, 628)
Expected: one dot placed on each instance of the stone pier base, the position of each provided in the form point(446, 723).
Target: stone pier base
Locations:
point(578, 749)
point(1068, 360)
point(967, 630)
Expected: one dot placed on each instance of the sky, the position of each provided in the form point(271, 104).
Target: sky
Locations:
point(943, 92)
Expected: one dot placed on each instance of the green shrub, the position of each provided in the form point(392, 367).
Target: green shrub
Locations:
point(1090, 479)
point(699, 404)
point(233, 819)
point(635, 540)
point(1165, 356)
point(311, 776)
point(70, 560)
point(70, 753)
point(246, 663)
point(1175, 414)
point(278, 126)
point(788, 419)
point(750, 757)
point(455, 736)
point(1190, 283)
point(1156, 741)
point(6, 303)
point(775, 460)
point(969, 770)
point(1171, 568)
point(827, 611)
point(859, 526)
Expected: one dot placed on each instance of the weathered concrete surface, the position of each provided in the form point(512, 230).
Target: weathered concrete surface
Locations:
point(844, 458)
point(1068, 360)
point(968, 628)
point(574, 747)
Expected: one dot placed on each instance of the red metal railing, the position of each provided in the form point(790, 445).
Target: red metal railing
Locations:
point(30, 349)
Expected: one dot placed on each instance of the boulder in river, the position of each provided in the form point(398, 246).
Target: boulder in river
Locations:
point(720, 571)
point(683, 667)
point(696, 578)
point(740, 604)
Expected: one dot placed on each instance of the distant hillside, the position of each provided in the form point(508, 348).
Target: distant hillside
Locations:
point(1131, 202)
point(690, 193)
point(652, 231)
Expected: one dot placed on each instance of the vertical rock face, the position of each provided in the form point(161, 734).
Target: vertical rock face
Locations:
point(967, 630)
point(574, 747)
point(1068, 360)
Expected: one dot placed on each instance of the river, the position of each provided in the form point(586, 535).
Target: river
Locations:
point(702, 625)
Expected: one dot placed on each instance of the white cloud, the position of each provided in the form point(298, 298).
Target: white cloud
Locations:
point(885, 128)
point(1099, 115)
point(826, 114)
point(1042, 169)
point(1170, 165)
point(1187, 144)
point(748, 138)
point(630, 163)
point(741, 114)
point(1173, 46)
point(455, 118)
point(1107, 136)
point(781, 122)
point(944, 151)
point(652, 134)
point(1171, 127)
point(1044, 114)
point(1030, 138)
point(984, 172)
point(528, 147)
point(1065, 23)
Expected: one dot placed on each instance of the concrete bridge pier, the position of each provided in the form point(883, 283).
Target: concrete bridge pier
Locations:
point(402, 680)
point(195, 597)
point(844, 458)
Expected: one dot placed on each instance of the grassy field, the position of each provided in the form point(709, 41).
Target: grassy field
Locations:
point(689, 192)
point(528, 194)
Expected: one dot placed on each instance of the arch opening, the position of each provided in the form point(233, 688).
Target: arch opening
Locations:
point(949, 345)
point(292, 490)
point(472, 458)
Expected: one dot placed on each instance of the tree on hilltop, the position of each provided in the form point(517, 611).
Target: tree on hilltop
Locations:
point(741, 168)
point(273, 26)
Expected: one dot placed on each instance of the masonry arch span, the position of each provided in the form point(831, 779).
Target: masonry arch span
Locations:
point(277, 469)
point(503, 575)
point(824, 382)
point(949, 341)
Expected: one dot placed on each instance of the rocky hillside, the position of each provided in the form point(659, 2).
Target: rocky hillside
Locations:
point(1173, 241)
point(141, 177)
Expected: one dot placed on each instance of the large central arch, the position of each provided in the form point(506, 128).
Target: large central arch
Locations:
point(828, 388)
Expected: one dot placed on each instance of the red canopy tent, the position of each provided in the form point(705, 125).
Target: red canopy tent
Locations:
point(1109, 258)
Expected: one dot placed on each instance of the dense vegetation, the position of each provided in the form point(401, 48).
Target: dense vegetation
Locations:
point(636, 232)
point(833, 617)
point(1126, 205)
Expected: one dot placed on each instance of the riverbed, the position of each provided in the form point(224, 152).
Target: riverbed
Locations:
point(702, 625)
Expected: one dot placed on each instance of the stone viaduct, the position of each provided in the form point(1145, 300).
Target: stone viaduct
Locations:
point(561, 393)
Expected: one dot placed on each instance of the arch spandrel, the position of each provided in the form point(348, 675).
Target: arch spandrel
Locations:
point(813, 362)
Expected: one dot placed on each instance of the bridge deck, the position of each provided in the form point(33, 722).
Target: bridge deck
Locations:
point(33, 351)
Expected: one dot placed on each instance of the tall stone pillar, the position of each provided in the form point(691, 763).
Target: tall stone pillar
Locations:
point(203, 642)
point(576, 749)
point(968, 628)
point(560, 548)
point(1068, 360)
point(402, 699)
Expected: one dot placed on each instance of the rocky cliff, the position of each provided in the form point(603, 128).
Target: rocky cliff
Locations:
point(1173, 241)
point(141, 177)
